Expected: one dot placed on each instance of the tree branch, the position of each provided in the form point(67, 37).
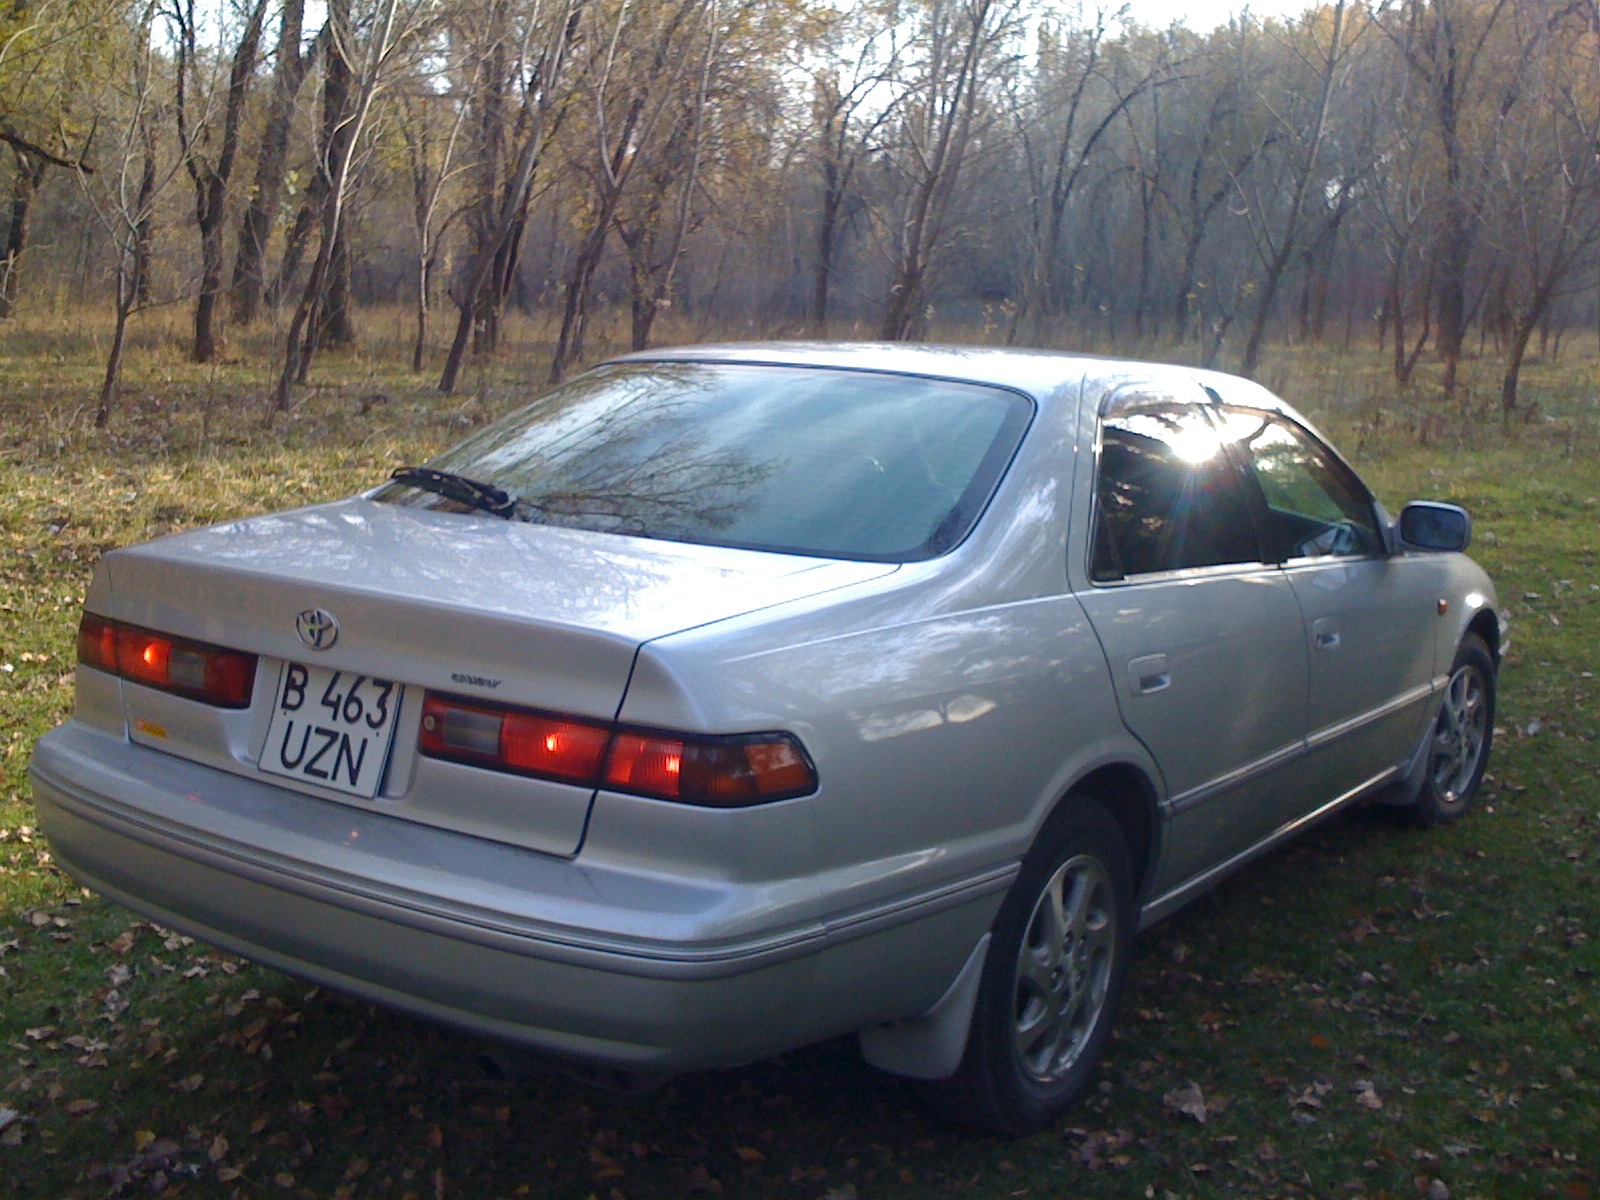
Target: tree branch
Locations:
point(14, 139)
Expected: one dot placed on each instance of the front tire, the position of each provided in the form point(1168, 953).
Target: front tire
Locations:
point(1463, 733)
point(1056, 966)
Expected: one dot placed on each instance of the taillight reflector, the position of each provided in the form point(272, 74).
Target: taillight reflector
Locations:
point(211, 674)
point(716, 772)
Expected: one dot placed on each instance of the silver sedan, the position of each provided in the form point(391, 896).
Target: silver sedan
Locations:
point(731, 698)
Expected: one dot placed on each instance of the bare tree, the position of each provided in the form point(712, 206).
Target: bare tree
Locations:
point(124, 195)
point(540, 58)
point(1278, 239)
point(1075, 98)
point(1217, 156)
point(1547, 191)
point(292, 62)
point(196, 130)
point(844, 121)
point(634, 74)
point(959, 46)
point(1471, 61)
point(430, 170)
point(48, 48)
point(365, 47)
point(653, 231)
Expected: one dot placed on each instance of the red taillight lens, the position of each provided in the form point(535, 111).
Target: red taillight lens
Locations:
point(566, 749)
point(717, 772)
point(647, 763)
point(513, 740)
point(210, 674)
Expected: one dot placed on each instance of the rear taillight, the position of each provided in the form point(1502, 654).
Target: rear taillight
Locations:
point(513, 739)
point(211, 674)
point(723, 772)
point(714, 772)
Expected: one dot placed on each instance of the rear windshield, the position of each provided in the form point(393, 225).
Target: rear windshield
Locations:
point(834, 463)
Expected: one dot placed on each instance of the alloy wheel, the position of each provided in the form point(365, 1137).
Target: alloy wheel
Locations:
point(1063, 976)
point(1460, 734)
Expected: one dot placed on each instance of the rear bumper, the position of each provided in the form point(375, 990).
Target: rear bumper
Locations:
point(550, 953)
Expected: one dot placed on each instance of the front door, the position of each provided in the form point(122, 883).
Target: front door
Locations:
point(1368, 616)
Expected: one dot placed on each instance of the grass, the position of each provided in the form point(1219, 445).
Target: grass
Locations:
point(1365, 1013)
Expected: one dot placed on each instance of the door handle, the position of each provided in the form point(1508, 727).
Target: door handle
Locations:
point(1149, 674)
point(1325, 633)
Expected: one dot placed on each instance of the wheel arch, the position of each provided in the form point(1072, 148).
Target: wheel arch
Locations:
point(1486, 624)
point(1130, 796)
point(930, 1046)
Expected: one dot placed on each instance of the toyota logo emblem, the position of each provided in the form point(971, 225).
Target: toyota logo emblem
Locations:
point(317, 627)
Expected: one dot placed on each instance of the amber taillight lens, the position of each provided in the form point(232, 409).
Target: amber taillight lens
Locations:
point(718, 772)
point(197, 670)
point(714, 772)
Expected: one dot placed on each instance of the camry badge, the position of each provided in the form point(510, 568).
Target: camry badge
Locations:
point(317, 627)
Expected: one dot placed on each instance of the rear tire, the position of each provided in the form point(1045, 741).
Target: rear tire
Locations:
point(1055, 969)
point(1462, 736)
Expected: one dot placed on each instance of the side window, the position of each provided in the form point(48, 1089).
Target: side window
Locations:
point(1168, 496)
point(1315, 507)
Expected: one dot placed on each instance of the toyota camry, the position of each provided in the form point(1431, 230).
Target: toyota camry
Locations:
point(726, 699)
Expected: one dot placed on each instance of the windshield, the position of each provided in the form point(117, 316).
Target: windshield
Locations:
point(834, 463)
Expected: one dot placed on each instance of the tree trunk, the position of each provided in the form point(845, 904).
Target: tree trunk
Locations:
point(272, 158)
point(419, 347)
point(113, 375)
point(143, 231)
point(336, 325)
point(832, 200)
point(211, 179)
point(514, 203)
point(343, 123)
point(575, 311)
point(1518, 349)
point(30, 174)
point(208, 218)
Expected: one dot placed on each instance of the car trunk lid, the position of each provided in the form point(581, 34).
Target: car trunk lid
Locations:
point(504, 612)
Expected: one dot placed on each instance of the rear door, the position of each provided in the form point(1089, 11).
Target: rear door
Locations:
point(1369, 616)
point(1203, 635)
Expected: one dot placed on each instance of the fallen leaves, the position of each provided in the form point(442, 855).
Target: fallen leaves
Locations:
point(1190, 1101)
point(1367, 1095)
point(1103, 1148)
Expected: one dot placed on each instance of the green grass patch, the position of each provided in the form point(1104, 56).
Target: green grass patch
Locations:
point(1362, 1014)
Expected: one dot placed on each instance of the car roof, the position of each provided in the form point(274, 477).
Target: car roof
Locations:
point(1036, 372)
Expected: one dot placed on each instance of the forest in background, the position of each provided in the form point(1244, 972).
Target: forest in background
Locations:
point(1420, 173)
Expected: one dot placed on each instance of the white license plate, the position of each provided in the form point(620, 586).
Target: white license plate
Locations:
point(331, 728)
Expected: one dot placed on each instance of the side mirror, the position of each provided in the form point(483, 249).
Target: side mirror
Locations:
point(1426, 525)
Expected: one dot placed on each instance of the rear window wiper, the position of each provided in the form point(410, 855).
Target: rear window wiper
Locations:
point(485, 497)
